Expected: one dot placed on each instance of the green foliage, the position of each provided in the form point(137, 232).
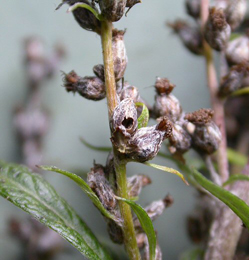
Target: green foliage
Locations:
point(146, 224)
point(236, 177)
point(85, 187)
point(237, 205)
point(236, 158)
point(31, 193)
point(144, 117)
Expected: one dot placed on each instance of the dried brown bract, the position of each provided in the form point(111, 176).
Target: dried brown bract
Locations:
point(112, 10)
point(200, 117)
point(190, 36)
point(136, 183)
point(99, 71)
point(91, 88)
point(84, 17)
point(217, 31)
point(164, 86)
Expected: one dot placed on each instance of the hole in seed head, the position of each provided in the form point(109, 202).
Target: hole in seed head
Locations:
point(127, 122)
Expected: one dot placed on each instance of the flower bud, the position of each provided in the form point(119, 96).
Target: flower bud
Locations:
point(166, 104)
point(129, 91)
point(217, 31)
point(84, 17)
point(99, 71)
point(191, 37)
point(193, 8)
point(206, 136)
point(146, 142)
point(115, 232)
point(235, 13)
point(155, 209)
point(101, 187)
point(136, 183)
point(112, 10)
point(91, 88)
point(180, 141)
point(119, 54)
point(237, 51)
point(238, 77)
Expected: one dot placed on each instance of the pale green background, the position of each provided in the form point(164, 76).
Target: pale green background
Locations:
point(152, 51)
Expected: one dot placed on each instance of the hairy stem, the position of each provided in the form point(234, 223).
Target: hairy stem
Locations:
point(217, 104)
point(120, 166)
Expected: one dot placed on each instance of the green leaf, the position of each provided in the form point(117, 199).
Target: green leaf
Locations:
point(241, 92)
point(86, 6)
point(237, 205)
point(236, 177)
point(236, 158)
point(96, 148)
point(31, 193)
point(167, 169)
point(85, 187)
point(144, 117)
point(146, 224)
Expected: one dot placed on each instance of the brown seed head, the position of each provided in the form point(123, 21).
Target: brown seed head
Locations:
point(217, 18)
point(200, 117)
point(165, 125)
point(163, 86)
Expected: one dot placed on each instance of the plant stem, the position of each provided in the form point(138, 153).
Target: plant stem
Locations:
point(125, 210)
point(217, 104)
point(120, 166)
point(106, 38)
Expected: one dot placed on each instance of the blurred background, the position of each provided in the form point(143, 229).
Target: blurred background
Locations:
point(152, 51)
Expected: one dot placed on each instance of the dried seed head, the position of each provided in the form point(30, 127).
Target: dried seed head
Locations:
point(84, 17)
point(235, 13)
point(99, 71)
point(180, 141)
point(207, 136)
point(119, 53)
point(136, 183)
point(91, 88)
point(101, 187)
point(129, 91)
point(193, 8)
point(112, 10)
point(155, 209)
point(166, 104)
point(115, 232)
point(217, 31)
point(163, 86)
point(200, 117)
point(238, 77)
point(190, 36)
point(237, 51)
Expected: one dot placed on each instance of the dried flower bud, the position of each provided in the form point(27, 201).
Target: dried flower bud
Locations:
point(191, 37)
point(207, 135)
point(136, 183)
point(112, 10)
point(119, 53)
point(193, 8)
point(238, 77)
point(166, 104)
point(84, 17)
point(235, 13)
point(131, 3)
point(99, 71)
point(91, 88)
point(155, 209)
point(217, 31)
point(146, 142)
point(237, 51)
point(129, 91)
point(115, 232)
point(180, 141)
point(101, 187)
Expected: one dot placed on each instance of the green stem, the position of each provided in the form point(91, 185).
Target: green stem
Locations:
point(125, 210)
point(120, 166)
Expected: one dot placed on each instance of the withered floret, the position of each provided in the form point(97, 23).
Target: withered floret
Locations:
point(136, 183)
point(200, 117)
point(112, 10)
point(163, 86)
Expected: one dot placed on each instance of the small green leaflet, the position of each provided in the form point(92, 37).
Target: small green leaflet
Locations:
point(144, 117)
point(146, 224)
point(236, 177)
point(31, 193)
point(96, 148)
point(236, 158)
point(167, 169)
point(237, 205)
point(85, 187)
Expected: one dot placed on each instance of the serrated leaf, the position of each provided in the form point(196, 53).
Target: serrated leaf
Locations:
point(96, 148)
point(33, 194)
point(144, 117)
point(146, 224)
point(236, 158)
point(236, 177)
point(237, 205)
point(85, 187)
point(167, 169)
